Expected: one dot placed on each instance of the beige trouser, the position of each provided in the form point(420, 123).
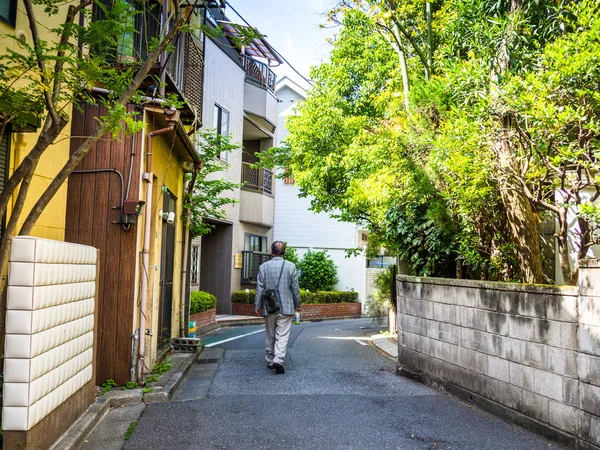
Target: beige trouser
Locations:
point(277, 333)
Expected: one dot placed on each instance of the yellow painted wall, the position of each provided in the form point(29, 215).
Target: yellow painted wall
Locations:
point(166, 167)
point(51, 224)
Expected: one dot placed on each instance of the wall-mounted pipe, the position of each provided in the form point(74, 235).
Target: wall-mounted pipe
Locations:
point(147, 177)
point(183, 317)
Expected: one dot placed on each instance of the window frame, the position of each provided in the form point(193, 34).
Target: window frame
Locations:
point(12, 14)
point(249, 238)
point(218, 115)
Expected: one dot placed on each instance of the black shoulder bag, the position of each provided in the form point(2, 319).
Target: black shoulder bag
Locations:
point(270, 297)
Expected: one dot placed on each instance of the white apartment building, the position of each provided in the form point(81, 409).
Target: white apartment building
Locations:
point(239, 99)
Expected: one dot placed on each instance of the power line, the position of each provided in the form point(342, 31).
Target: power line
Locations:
point(276, 51)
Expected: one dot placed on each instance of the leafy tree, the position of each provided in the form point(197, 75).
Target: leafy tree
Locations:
point(207, 199)
point(317, 272)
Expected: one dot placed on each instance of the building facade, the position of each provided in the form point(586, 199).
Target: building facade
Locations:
point(239, 100)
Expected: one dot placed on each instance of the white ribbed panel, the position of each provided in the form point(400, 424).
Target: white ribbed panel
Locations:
point(49, 328)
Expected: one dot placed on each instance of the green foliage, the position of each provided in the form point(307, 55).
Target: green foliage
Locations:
point(108, 385)
point(131, 385)
point(321, 297)
point(306, 297)
point(291, 255)
point(208, 198)
point(146, 390)
point(426, 176)
point(130, 430)
point(382, 300)
point(162, 367)
point(317, 271)
point(201, 301)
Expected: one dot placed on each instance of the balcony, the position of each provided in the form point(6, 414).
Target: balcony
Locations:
point(260, 180)
point(259, 94)
point(184, 68)
point(260, 73)
point(257, 204)
point(251, 261)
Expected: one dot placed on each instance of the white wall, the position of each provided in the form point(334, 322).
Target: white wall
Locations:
point(48, 351)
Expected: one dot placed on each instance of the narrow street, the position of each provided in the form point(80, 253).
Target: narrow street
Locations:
point(338, 392)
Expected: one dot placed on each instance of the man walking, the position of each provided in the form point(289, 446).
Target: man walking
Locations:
point(280, 275)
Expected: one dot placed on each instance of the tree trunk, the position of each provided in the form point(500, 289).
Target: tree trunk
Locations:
point(563, 247)
point(522, 219)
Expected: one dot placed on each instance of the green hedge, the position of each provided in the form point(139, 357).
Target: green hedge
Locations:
point(201, 301)
point(307, 298)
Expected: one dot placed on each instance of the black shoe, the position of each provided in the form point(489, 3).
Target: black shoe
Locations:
point(279, 368)
point(270, 366)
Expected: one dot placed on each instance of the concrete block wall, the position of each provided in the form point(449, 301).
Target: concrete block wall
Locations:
point(528, 353)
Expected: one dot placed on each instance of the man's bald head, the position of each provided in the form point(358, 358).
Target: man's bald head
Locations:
point(278, 248)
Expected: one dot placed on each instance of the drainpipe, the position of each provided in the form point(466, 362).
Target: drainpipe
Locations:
point(147, 177)
point(183, 317)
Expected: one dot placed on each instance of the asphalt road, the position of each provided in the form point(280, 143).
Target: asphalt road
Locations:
point(338, 393)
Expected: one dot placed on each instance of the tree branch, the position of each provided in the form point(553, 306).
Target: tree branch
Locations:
point(41, 63)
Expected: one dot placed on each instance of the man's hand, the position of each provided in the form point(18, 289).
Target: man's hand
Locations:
point(299, 308)
point(257, 313)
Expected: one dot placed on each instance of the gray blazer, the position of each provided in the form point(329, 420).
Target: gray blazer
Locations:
point(289, 291)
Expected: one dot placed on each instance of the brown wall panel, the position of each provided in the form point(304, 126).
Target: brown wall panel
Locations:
point(91, 198)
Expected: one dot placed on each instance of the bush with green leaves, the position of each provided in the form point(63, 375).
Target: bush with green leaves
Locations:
point(291, 255)
point(201, 301)
point(317, 272)
point(381, 300)
point(306, 297)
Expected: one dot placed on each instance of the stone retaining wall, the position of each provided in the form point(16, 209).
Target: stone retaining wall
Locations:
point(527, 353)
point(309, 311)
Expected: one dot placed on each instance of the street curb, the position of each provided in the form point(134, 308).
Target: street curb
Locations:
point(76, 434)
point(164, 393)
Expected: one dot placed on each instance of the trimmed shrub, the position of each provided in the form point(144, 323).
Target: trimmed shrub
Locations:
point(317, 272)
point(201, 301)
point(244, 297)
point(307, 298)
point(310, 298)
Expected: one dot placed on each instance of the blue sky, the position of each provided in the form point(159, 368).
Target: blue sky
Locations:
point(292, 27)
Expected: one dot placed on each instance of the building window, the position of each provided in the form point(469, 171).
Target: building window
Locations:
point(194, 264)
point(255, 253)
point(254, 243)
point(221, 123)
point(8, 11)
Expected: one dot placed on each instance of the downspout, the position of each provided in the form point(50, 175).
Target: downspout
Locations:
point(186, 239)
point(147, 177)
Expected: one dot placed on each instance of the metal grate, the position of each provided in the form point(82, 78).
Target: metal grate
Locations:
point(209, 361)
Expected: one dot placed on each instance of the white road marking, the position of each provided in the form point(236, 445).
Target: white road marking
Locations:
point(234, 338)
point(361, 342)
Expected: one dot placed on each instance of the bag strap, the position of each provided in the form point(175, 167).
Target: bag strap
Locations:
point(280, 273)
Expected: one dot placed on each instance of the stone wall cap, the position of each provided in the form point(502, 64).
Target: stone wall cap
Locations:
point(589, 262)
point(497, 285)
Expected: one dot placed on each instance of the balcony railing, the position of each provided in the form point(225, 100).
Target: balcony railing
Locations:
point(257, 179)
point(185, 68)
point(251, 261)
point(260, 72)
